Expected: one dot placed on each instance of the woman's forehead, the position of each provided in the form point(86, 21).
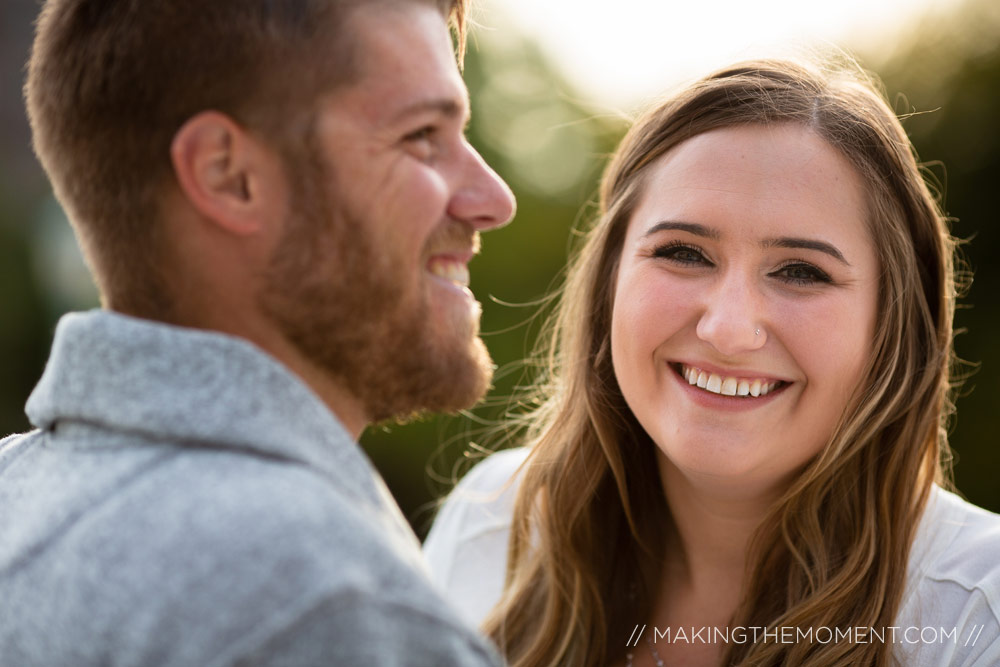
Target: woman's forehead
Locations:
point(772, 176)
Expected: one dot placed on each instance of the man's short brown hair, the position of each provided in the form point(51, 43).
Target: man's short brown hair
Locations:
point(111, 81)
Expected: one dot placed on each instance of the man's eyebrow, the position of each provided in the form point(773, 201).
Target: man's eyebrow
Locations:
point(446, 106)
point(806, 244)
point(689, 227)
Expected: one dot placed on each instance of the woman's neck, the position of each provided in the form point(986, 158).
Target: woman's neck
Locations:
point(715, 521)
point(704, 565)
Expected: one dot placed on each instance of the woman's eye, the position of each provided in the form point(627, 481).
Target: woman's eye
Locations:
point(802, 274)
point(681, 254)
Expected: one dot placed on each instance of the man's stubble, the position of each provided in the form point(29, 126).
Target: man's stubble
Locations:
point(345, 303)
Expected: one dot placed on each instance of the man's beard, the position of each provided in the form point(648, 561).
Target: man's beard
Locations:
point(348, 307)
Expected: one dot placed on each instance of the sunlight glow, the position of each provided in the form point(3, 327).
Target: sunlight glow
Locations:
point(623, 51)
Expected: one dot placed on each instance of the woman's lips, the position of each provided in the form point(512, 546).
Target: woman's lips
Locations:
point(728, 385)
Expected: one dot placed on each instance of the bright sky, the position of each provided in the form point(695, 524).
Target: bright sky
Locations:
point(619, 51)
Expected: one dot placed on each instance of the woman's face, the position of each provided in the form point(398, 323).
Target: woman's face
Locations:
point(745, 304)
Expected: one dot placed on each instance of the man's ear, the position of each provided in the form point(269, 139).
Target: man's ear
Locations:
point(224, 172)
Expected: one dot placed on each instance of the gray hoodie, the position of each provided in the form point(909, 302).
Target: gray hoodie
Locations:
point(186, 500)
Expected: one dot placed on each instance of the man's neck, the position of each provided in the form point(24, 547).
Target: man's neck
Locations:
point(341, 402)
point(347, 408)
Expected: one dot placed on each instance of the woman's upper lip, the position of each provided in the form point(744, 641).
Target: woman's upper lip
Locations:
point(742, 373)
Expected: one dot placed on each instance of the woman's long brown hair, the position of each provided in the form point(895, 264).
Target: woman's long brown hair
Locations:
point(588, 532)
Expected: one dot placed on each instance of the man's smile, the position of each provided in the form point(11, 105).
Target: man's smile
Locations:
point(449, 268)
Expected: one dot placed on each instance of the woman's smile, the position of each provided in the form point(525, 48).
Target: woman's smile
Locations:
point(734, 383)
point(745, 301)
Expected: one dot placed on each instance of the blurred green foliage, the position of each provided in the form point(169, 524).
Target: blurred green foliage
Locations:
point(954, 80)
point(551, 148)
point(23, 326)
point(948, 75)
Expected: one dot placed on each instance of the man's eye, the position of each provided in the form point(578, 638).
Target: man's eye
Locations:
point(682, 254)
point(422, 134)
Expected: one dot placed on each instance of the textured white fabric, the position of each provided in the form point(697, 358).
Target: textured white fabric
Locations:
point(952, 596)
point(466, 548)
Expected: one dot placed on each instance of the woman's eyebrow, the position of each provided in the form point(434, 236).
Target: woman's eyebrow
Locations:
point(805, 244)
point(689, 227)
point(780, 242)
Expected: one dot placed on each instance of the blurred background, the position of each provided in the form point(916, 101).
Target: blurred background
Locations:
point(553, 83)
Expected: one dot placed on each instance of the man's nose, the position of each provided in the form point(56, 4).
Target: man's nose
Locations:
point(482, 199)
point(733, 319)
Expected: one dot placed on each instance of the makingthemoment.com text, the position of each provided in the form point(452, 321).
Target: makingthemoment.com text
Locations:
point(794, 635)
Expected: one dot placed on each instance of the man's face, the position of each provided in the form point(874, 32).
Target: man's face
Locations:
point(370, 280)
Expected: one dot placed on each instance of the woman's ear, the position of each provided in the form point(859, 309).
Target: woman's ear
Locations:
point(225, 173)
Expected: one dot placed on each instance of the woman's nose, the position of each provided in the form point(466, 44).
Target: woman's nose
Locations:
point(732, 320)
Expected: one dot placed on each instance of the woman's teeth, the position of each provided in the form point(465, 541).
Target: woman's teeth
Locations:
point(449, 269)
point(727, 386)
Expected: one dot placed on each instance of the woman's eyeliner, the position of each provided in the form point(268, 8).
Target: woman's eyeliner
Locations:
point(674, 251)
point(812, 274)
point(795, 272)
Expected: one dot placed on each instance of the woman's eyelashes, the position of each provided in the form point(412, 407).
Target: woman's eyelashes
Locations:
point(801, 273)
point(794, 272)
point(681, 253)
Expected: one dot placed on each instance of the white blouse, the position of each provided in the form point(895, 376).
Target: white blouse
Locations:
point(950, 613)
